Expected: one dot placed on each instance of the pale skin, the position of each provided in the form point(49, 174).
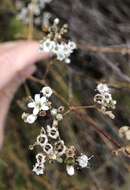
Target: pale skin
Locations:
point(17, 61)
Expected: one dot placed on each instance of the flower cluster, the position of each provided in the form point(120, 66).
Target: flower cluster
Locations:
point(104, 100)
point(124, 132)
point(34, 8)
point(56, 43)
point(52, 147)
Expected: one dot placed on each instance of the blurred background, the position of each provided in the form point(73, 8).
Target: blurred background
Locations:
point(102, 31)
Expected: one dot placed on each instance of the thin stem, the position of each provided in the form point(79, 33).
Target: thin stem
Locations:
point(72, 108)
point(96, 49)
point(49, 66)
point(82, 107)
point(67, 112)
point(27, 89)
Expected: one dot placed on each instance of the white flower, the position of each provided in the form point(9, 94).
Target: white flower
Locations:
point(48, 148)
point(48, 45)
point(62, 51)
point(107, 97)
point(98, 98)
point(70, 170)
point(41, 158)
point(66, 49)
point(123, 130)
point(59, 117)
point(54, 112)
point(52, 132)
point(60, 55)
point(47, 91)
point(102, 88)
point(83, 160)
point(104, 98)
point(38, 104)
point(29, 118)
point(56, 21)
point(39, 169)
point(67, 60)
point(42, 140)
point(60, 148)
point(72, 45)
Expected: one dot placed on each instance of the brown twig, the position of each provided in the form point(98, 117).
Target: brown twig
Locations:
point(87, 120)
point(96, 49)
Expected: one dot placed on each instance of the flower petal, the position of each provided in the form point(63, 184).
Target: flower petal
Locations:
point(31, 119)
point(37, 98)
point(43, 100)
point(70, 170)
point(35, 111)
point(31, 105)
point(44, 108)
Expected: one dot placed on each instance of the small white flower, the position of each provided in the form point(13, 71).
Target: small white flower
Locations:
point(38, 104)
point(56, 21)
point(31, 118)
point(42, 140)
point(59, 117)
point(60, 148)
point(48, 45)
point(102, 88)
point(67, 60)
point(52, 132)
point(107, 98)
point(39, 169)
point(47, 91)
point(83, 160)
point(54, 112)
point(67, 50)
point(70, 170)
point(60, 55)
point(104, 98)
point(41, 158)
point(72, 45)
point(48, 149)
point(123, 130)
